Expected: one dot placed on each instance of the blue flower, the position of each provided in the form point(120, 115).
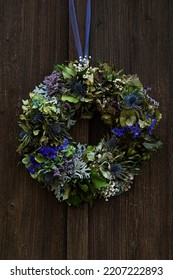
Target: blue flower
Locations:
point(31, 169)
point(153, 123)
point(23, 134)
point(49, 152)
point(38, 117)
point(43, 151)
point(117, 170)
point(119, 132)
point(48, 177)
point(34, 165)
point(78, 88)
point(135, 130)
point(55, 128)
point(133, 100)
point(63, 146)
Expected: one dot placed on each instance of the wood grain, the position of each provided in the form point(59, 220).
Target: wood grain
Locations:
point(35, 35)
point(33, 224)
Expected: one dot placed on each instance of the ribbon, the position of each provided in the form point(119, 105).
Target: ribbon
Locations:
point(74, 24)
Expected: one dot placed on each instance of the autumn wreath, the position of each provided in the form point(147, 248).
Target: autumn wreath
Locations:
point(78, 172)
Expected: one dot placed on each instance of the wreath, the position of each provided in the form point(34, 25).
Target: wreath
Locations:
point(78, 172)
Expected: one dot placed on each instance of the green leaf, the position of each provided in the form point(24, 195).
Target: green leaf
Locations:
point(58, 67)
point(43, 138)
point(34, 176)
point(91, 156)
point(87, 100)
point(25, 102)
point(66, 192)
point(69, 99)
point(68, 72)
point(153, 146)
point(98, 181)
point(90, 153)
point(36, 132)
point(26, 160)
point(106, 174)
point(128, 117)
point(135, 82)
point(39, 158)
point(70, 151)
point(75, 200)
point(84, 187)
point(158, 115)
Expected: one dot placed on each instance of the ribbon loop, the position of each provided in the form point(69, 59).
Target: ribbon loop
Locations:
point(75, 28)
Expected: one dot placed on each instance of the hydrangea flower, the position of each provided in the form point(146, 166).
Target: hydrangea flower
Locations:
point(53, 83)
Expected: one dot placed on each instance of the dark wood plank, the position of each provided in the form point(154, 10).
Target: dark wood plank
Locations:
point(77, 219)
point(34, 37)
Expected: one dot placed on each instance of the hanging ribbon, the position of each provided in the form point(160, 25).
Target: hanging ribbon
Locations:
point(74, 23)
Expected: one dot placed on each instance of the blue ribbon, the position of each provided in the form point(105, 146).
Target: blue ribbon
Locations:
point(74, 23)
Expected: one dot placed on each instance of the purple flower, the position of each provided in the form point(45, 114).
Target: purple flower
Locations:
point(150, 129)
point(53, 83)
